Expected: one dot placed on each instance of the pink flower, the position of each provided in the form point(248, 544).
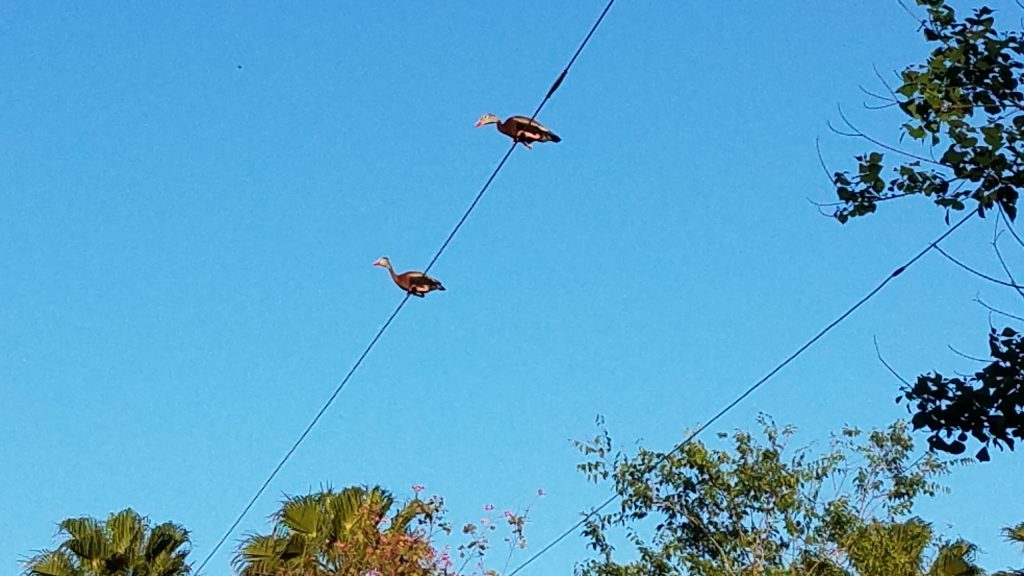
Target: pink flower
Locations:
point(489, 507)
point(508, 514)
point(417, 488)
point(540, 492)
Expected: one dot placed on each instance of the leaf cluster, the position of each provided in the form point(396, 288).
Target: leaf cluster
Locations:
point(343, 533)
point(363, 531)
point(988, 406)
point(762, 507)
point(964, 103)
point(122, 545)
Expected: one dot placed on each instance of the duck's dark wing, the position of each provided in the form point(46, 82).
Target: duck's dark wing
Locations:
point(522, 123)
point(421, 283)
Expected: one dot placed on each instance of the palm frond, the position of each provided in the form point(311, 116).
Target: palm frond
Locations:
point(956, 559)
point(379, 499)
point(88, 539)
point(302, 515)
point(121, 545)
point(260, 555)
point(1014, 533)
point(889, 549)
point(165, 540)
point(51, 563)
point(127, 532)
point(346, 510)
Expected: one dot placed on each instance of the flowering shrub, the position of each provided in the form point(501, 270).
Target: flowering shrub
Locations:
point(354, 533)
point(473, 554)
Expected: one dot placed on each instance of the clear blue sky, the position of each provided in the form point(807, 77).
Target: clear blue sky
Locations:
point(186, 249)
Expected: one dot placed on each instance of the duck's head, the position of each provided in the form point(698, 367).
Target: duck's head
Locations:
point(383, 262)
point(487, 119)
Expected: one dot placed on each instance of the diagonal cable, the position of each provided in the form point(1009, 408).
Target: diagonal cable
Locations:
point(565, 71)
point(469, 210)
point(302, 437)
point(828, 328)
point(394, 314)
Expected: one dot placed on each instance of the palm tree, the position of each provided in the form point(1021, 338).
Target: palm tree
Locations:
point(898, 549)
point(1013, 534)
point(955, 559)
point(122, 545)
point(340, 534)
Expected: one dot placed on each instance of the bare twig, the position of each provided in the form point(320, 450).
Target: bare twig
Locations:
point(888, 101)
point(821, 160)
point(895, 196)
point(881, 79)
point(880, 107)
point(975, 272)
point(916, 18)
point(825, 204)
point(857, 133)
point(1002, 262)
point(820, 206)
point(888, 366)
point(1009, 226)
point(876, 200)
point(967, 356)
point(996, 310)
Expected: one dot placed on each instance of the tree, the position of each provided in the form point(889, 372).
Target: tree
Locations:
point(898, 549)
point(123, 545)
point(355, 532)
point(341, 533)
point(965, 109)
point(760, 507)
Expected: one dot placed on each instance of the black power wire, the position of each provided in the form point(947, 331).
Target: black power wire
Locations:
point(394, 314)
point(849, 311)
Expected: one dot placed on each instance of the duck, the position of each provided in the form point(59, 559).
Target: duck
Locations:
point(521, 129)
point(415, 283)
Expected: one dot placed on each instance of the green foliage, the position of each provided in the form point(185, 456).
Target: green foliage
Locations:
point(987, 405)
point(965, 102)
point(342, 533)
point(1013, 534)
point(761, 507)
point(358, 532)
point(889, 549)
point(956, 559)
point(123, 544)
